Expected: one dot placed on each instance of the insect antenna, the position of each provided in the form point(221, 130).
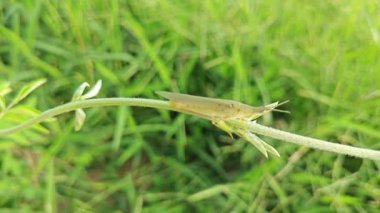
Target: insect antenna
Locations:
point(280, 110)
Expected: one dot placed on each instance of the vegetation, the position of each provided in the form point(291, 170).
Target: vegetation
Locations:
point(323, 57)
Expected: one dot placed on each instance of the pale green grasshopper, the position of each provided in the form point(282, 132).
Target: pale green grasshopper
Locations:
point(217, 109)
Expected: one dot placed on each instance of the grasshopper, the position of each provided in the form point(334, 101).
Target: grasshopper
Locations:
point(220, 110)
point(215, 109)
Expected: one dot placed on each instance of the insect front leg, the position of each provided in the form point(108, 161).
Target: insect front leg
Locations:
point(222, 125)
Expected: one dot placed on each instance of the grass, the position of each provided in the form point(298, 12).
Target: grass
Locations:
point(324, 57)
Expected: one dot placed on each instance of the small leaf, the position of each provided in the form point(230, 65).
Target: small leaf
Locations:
point(93, 91)
point(79, 91)
point(267, 147)
point(80, 117)
point(254, 140)
point(26, 90)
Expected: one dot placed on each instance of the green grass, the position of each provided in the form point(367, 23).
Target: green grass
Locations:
point(322, 56)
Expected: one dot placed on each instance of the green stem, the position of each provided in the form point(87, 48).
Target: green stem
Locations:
point(100, 102)
point(307, 141)
point(250, 126)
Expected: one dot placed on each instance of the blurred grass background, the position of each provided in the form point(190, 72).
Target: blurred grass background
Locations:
point(321, 55)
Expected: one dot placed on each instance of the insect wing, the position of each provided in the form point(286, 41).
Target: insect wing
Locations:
point(191, 99)
point(212, 108)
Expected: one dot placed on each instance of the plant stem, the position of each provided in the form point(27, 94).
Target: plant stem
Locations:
point(307, 141)
point(99, 102)
point(158, 104)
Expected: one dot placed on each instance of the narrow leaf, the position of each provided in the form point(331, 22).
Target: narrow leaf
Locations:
point(79, 91)
point(107, 73)
point(26, 90)
point(93, 91)
point(80, 117)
